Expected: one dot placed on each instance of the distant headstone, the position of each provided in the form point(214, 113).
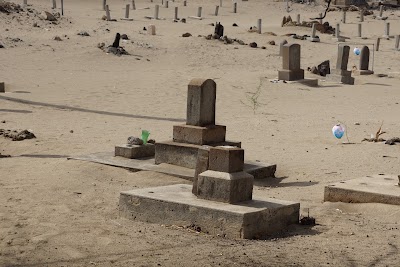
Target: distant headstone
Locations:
point(396, 43)
point(151, 30)
point(219, 30)
point(314, 37)
point(108, 13)
point(133, 5)
point(282, 43)
point(364, 62)
point(116, 40)
point(216, 10)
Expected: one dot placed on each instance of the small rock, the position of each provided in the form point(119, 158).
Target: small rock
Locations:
point(35, 24)
point(263, 47)
point(124, 37)
point(101, 45)
point(47, 16)
point(186, 35)
point(57, 38)
point(183, 20)
point(144, 28)
point(134, 141)
point(234, 25)
point(271, 42)
point(104, 17)
point(253, 44)
point(72, 131)
point(356, 123)
point(1, 45)
point(83, 33)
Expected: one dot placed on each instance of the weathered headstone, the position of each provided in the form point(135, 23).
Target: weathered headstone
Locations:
point(54, 4)
point(62, 7)
point(298, 19)
point(377, 44)
point(151, 29)
point(25, 2)
point(320, 16)
point(359, 33)
point(341, 74)
point(396, 43)
point(116, 40)
point(362, 15)
point(364, 62)
point(184, 3)
point(291, 70)
point(156, 10)
point(234, 7)
point(219, 30)
point(2, 87)
point(133, 5)
point(104, 4)
point(166, 4)
point(199, 9)
point(216, 10)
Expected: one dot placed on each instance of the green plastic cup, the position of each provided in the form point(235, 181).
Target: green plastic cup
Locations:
point(145, 136)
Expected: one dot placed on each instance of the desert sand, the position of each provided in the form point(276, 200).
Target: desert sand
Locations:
point(78, 100)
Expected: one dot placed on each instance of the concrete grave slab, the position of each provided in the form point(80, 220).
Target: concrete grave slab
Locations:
point(258, 169)
point(176, 205)
point(370, 189)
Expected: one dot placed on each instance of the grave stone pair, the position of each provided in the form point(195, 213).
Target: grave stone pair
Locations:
point(341, 74)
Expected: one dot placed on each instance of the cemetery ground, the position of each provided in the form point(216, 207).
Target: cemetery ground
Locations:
point(78, 100)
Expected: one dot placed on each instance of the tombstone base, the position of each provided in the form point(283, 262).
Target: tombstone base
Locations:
point(387, 37)
point(126, 19)
point(370, 189)
point(182, 154)
point(2, 87)
point(313, 39)
point(363, 72)
point(199, 135)
point(306, 81)
point(176, 205)
point(135, 151)
point(225, 187)
point(291, 75)
point(195, 17)
point(340, 39)
point(381, 18)
point(340, 79)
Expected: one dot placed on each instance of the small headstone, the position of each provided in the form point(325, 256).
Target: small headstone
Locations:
point(359, 35)
point(396, 43)
point(116, 40)
point(387, 31)
point(362, 15)
point(199, 9)
point(133, 5)
point(219, 30)
point(104, 4)
point(54, 4)
point(216, 10)
point(364, 62)
point(377, 43)
point(291, 70)
point(314, 37)
point(201, 102)
point(344, 16)
point(151, 30)
point(341, 74)
point(234, 7)
point(176, 13)
point(298, 19)
point(156, 10)
point(259, 26)
point(108, 13)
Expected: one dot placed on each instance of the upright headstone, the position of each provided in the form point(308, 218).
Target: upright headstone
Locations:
point(387, 30)
point(291, 70)
point(298, 19)
point(259, 26)
point(381, 17)
point(184, 3)
point(116, 40)
point(156, 10)
point(54, 4)
point(220, 3)
point(200, 110)
point(62, 7)
point(176, 13)
point(341, 74)
point(127, 11)
point(108, 13)
point(362, 15)
point(104, 4)
point(359, 33)
point(166, 4)
point(396, 43)
point(234, 7)
point(364, 62)
point(216, 10)
point(2, 87)
point(320, 16)
point(133, 5)
point(344, 16)
point(338, 38)
point(377, 43)
point(314, 37)
point(199, 9)
point(282, 43)
point(25, 2)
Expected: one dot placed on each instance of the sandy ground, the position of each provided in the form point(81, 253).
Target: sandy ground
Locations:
point(78, 100)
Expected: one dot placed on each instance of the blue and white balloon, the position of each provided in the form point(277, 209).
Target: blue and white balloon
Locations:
point(357, 51)
point(338, 131)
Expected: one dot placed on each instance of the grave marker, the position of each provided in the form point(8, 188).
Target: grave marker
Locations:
point(54, 4)
point(341, 74)
point(314, 37)
point(291, 70)
point(364, 62)
point(108, 13)
point(133, 5)
point(396, 44)
point(216, 10)
point(259, 26)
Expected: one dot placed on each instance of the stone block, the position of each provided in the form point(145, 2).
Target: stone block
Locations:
point(291, 75)
point(2, 87)
point(201, 102)
point(226, 159)
point(199, 135)
point(225, 187)
point(363, 72)
point(340, 79)
point(201, 166)
point(176, 205)
point(181, 154)
point(135, 151)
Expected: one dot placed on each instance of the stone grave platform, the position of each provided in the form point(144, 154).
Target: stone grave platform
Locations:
point(258, 169)
point(176, 205)
point(370, 189)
